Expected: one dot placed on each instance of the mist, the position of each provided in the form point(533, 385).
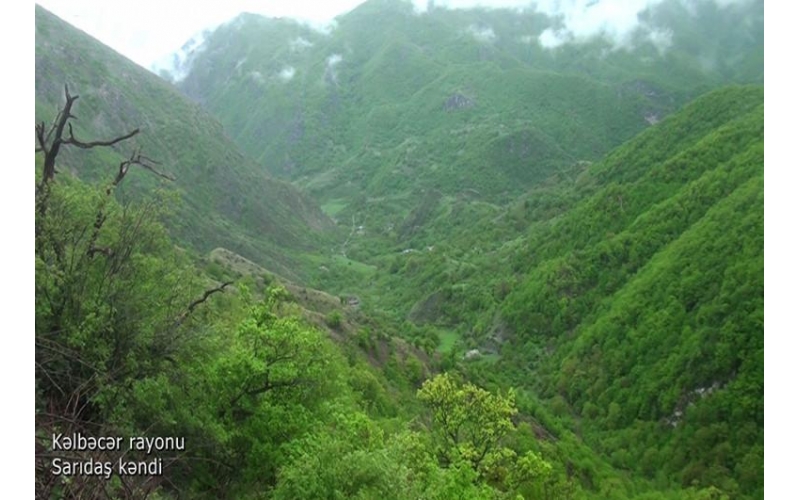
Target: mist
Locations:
point(152, 33)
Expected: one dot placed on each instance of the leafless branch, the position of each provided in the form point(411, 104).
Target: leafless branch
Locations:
point(51, 150)
point(195, 303)
point(265, 387)
point(49, 142)
point(72, 141)
point(137, 158)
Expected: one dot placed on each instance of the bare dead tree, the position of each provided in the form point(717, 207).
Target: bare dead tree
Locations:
point(136, 158)
point(49, 140)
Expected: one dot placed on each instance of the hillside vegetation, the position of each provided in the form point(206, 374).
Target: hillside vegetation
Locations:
point(625, 297)
point(223, 197)
point(642, 307)
point(392, 102)
point(492, 270)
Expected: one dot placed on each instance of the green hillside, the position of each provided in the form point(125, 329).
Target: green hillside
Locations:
point(535, 273)
point(225, 199)
point(625, 297)
point(649, 297)
point(479, 182)
point(392, 101)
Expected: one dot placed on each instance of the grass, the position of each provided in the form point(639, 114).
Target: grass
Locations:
point(447, 340)
point(355, 265)
point(333, 207)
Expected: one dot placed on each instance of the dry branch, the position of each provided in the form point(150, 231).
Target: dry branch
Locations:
point(49, 140)
point(71, 140)
point(195, 303)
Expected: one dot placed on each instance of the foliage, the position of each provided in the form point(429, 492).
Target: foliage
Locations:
point(397, 118)
point(224, 198)
point(113, 311)
point(650, 294)
point(469, 422)
point(105, 318)
point(492, 196)
point(470, 426)
point(334, 320)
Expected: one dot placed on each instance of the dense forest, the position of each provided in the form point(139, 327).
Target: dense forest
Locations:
point(418, 256)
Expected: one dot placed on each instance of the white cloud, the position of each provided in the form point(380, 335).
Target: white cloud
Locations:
point(300, 43)
point(324, 28)
point(178, 64)
point(482, 34)
point(421, 5)
point(148, 30)
point(286, 74)
point(551, 38)
point(728, 3)
point(584, 19)
point(256, 76)
point(333, 60)
point(661, 39)
point(330, 75)
point(617, 21)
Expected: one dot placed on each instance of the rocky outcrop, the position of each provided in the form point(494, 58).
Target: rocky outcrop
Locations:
point(458, 101)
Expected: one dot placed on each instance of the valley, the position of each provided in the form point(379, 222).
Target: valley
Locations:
point(385, 240)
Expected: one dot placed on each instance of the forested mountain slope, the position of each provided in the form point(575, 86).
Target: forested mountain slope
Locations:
point(638, 312)
point(225, 199)
point(625, 297)
point(578, 230)
point(393, 102)
point(625, 292)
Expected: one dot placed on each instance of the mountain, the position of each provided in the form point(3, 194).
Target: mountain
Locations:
point(392, 103)
point(642, 307)
point(576, 228)
point(224, 198)
point(587, 218)
point(626, 296)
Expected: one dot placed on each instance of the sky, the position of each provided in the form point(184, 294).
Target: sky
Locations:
point(147, 31)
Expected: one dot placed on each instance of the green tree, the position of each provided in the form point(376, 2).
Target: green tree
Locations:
point(467, 421)
point(114, 304)
point(112, 296)
point(469, 425)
